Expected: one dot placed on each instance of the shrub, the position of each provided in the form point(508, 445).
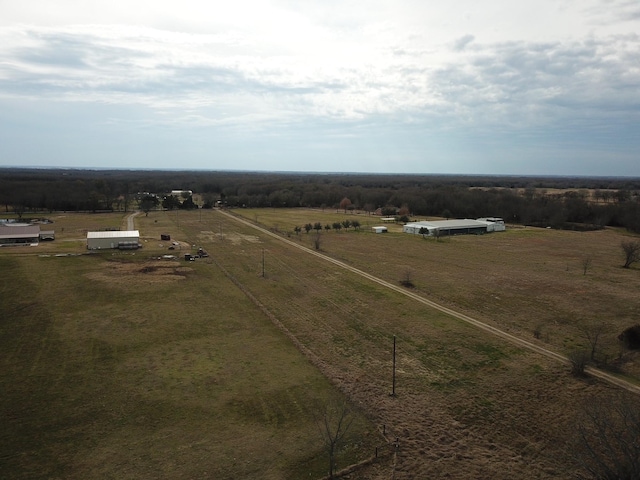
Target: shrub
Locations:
point(631, 337)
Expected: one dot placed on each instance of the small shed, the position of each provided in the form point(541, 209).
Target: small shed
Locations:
point(47, 235)
point(123, 240)
point(379, 229)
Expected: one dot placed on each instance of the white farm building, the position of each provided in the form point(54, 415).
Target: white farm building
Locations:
point(123, 240)
point(455, 227)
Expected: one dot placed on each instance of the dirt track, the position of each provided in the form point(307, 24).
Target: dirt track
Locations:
point(476, 323)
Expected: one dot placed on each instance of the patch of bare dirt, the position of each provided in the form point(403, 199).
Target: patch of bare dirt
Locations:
point(147, 272)
point(232, 237)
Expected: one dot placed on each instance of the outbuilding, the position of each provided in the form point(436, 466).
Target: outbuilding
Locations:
point(19, 234)
point(453, 227)
point(123, 240)
point(379, 229)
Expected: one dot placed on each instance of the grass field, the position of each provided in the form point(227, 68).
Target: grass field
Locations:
point(119, 366)
point(115, 366)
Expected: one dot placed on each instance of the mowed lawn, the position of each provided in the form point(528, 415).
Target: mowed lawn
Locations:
point(117, 365)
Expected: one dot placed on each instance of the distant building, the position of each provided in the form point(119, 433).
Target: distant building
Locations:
point(19, 234)
point(379, 229)
point(123, 240)
point(455, 227)
point(178, 193)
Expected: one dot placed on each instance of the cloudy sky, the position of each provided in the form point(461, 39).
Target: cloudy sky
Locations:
point(544, 87)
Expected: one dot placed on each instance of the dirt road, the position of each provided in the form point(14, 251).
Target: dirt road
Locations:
point(129, 220)
point(470, 320)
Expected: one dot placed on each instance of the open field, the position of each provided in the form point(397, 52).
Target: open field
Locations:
point(115, 366)
point(126, 372)
point(522, 280)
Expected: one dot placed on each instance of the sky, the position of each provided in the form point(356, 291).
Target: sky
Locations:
point(488, 87)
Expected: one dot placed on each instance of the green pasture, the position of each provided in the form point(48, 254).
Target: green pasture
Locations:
point(108, 374)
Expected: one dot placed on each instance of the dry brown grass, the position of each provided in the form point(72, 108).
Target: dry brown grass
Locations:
point(468, 404)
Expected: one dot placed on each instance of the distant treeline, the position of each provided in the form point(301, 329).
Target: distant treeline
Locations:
point(559, 202)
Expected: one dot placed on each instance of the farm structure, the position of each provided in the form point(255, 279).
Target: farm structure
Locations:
point(379, 229)
point(455, 227)
point(19, 234)
point(123, 240)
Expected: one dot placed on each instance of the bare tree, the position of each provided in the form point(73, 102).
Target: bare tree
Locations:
point(334, 424)
point(608, 432)
point(407, 278)
point(345, 203)
point(592, 333)
point(631, 249)
point(579, 360)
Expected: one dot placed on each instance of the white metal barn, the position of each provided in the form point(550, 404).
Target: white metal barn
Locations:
point(123, 240)
point(495, 224)
point(380, 229)
point(454, 227)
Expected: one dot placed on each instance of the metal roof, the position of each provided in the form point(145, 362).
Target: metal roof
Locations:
point(19, 231)
point(114, 234)
point(459, 223)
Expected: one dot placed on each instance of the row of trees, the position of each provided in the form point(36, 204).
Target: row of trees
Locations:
point(582, 203)
point(317, 226)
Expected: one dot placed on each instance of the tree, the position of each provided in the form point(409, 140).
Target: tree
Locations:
point(317, 226)
point(345, 203)
point(308, 227)
point(297, 229)
point(355, 224)
point(170, 202)
point(148, 203)
point(317, 240)
point(346, 224)
point(631, 249)
point(607, 445)
point(337, 226)
point(334, 424)
point(593, 333)
point(327, 227)
point(579, 360)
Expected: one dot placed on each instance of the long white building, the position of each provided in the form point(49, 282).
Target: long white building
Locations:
point(455, 227)
point(123, 240)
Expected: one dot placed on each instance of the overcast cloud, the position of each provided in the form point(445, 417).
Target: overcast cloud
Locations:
point(496, 87)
